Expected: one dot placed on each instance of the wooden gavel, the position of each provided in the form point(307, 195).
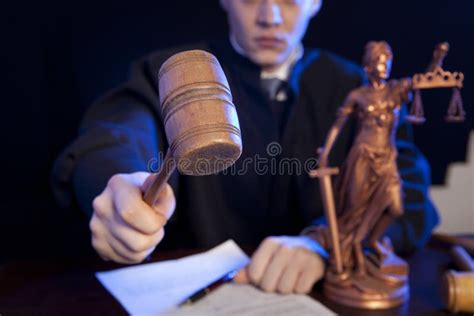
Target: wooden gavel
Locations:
point(200, 119)
point(458, 287)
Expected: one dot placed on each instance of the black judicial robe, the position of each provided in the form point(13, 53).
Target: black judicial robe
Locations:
point(123, 132)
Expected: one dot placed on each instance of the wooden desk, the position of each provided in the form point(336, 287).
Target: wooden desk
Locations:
point(69, 287)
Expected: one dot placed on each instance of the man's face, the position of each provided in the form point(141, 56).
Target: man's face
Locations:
point(269, 30)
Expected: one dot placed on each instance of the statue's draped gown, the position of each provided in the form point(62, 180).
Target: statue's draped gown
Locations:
point(369, 183)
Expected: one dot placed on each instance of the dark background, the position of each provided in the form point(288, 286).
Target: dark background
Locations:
point(57, 57)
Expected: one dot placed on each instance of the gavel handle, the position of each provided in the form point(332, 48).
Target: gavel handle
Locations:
point(159, 179)
point(462, 259)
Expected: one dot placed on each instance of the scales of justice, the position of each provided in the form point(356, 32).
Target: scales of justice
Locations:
point(363, 270)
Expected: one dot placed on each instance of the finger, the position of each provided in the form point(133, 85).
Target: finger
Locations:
point(289, 277)
point(165, 202)
point(102, 204)
point(124, 252)
point(95, 225)
point(134, 240)
point(312, 273)
point(242, 276)
point(104, 250)
point(131, 208)
point(111, 249)
point(96, 238)
point(261, 259)
point(275, 268)
point(149, 178)
point(111, 254)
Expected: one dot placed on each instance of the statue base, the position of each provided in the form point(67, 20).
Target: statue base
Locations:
point(384, 284)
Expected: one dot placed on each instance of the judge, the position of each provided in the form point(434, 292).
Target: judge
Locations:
point(286, 97)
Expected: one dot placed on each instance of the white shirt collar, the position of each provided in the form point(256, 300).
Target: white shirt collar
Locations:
point(282, 72)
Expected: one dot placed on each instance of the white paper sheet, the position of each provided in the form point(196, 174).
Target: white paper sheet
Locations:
point(245, 300)
point(151, 289)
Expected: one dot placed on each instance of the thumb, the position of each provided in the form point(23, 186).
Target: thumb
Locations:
point(242, 276)
point(148, 182)
point(165, 202)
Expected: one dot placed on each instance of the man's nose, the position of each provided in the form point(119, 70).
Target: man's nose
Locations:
point(269, 14)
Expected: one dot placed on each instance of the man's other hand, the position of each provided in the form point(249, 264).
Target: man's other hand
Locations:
point(284, 264)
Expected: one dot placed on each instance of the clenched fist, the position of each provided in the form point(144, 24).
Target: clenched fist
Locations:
point(124, 228)
point(284, 264)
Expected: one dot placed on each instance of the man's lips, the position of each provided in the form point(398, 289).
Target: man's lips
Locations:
point(269, 42)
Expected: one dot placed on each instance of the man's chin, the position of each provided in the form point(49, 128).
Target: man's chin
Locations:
point(268, 59)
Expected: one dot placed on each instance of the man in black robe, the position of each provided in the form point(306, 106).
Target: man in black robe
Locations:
point(286, 97)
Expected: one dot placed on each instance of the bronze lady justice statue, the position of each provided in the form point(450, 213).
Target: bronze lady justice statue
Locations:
point(368, 192)
point(369, 182)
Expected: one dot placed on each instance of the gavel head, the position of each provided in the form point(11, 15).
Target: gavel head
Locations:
point(457, 291)
point(200, 119)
